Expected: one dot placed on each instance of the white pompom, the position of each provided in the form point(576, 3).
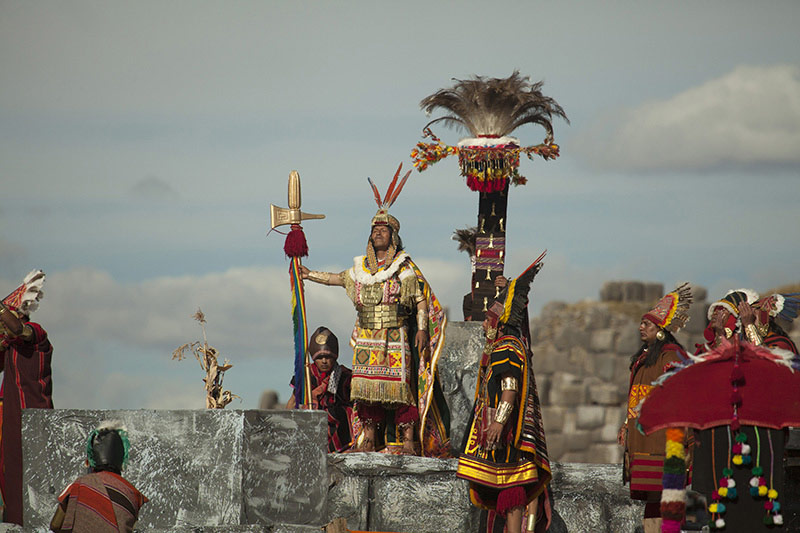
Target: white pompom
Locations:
point(754, 481)
point(731, 483)
point(720, 523)
point(777, 519)
point(745, 449)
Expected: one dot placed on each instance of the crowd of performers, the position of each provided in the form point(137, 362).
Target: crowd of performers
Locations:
point(391, 401)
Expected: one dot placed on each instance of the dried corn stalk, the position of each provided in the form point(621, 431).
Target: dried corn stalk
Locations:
point(216, 396)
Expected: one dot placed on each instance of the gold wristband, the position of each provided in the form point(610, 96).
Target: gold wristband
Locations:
point(422, 320)
point(503, 412)
point(531, 524)
point(3, 310)
point(320, 277)
point(752, 334)
point(509, 383)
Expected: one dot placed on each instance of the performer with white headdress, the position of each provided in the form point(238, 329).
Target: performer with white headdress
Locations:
point(25, 353)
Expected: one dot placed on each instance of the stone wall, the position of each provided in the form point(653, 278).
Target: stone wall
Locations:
point(582, 356)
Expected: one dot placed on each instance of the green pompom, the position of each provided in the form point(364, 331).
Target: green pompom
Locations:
point(741, 437)
point(757, 471)
point(727, 472)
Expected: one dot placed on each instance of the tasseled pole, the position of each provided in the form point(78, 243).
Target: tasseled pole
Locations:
point(296, 247)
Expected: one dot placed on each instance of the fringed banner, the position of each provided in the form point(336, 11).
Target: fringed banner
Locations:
point(302, 392)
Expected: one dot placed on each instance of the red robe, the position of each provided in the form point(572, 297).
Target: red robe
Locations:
point(27, 383)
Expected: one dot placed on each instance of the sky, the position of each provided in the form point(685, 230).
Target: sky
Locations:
point(141, 144)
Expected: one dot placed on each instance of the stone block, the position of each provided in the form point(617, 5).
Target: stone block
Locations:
point(652, 292)
point(602, 340)
point(458, 371)
point(556, 445)
point(566, 335)
point(580, 361)
point(606, 453)
point(633, 291)
point(427, 504)
point(553, 419)
point(604, 394)
point(567, 390)
point(590, 416)
point(596, 317)
point(611, 291)
point(607, 434)
point(284, 467)
point(628, 340)
point(579, 440)
point(604, 365)
point(616, 417)
point(699, 293)
point(348, 496)
point(590, 497)
point(698, 318)
point(200, 467)
point(545, 358)
point(543, 383)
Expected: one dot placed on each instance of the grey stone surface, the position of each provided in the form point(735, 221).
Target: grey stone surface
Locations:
point(602, 340)
point(170, 461)
point(188, 463)
point(284, 467)
point(399, 493)
point(458, 370)
point(590, 416)
point(591, 498)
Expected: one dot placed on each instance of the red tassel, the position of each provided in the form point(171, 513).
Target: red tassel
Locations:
point(510, 498)
point(736, 398)
point(737, 375)
point(295, 245)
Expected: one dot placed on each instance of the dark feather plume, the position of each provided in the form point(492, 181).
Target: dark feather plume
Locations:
point(494, 106)
point(466, 239)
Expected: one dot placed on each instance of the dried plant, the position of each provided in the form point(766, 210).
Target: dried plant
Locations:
point(216, 396)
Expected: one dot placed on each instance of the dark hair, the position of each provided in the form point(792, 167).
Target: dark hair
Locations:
point(655, 351)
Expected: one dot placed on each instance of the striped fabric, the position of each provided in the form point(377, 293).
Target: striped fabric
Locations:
point(101, 502)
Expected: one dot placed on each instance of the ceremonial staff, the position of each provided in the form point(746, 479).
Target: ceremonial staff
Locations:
point(296, 247)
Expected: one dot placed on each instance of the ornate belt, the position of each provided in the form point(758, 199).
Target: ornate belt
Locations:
point(382, 316)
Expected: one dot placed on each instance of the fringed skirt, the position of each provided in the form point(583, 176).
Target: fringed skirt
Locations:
point(382, 367)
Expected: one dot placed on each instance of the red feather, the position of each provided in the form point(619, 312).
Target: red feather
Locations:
point(389, 191)
point(399, 188)
point(375, 192)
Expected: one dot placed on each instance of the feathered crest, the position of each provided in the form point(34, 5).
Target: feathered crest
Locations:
point(26, 297)
point(392, 192)
point(466, 239)
point(494, 106)
point(784, 306)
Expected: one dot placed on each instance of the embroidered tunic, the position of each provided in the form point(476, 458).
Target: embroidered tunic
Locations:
point(520, 460)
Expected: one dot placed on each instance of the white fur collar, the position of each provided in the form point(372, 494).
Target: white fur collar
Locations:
point(363, 276)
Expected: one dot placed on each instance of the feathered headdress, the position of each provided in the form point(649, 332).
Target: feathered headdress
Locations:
point(25, 298)
point(783, 306)
point(466, 239)
point(489, 109)
point(509, 306)
point(672, 311)
point(383, 218)
point(732, 300)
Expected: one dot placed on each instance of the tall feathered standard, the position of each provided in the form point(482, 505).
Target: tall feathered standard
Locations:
point(494, 106)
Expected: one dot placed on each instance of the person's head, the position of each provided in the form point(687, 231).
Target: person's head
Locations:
point(381, 237)
point(323, 347)
point(723, 315)
point(107, 448)
point(648, 331)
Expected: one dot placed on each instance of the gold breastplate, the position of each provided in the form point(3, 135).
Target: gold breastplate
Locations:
point(382, 316)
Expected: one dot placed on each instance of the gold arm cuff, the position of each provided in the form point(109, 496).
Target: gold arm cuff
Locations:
point(320, 277)
point(422, 320)
point(752, 334)
point(509, 383)
point(503, 412)
point(531, 524)
point(3, 310)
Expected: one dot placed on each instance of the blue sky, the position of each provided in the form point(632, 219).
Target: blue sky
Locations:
point(141, 144)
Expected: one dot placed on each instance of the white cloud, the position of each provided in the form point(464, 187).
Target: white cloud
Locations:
point(748, 117)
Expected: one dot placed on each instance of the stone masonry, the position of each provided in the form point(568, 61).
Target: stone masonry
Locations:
point(582, 355)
